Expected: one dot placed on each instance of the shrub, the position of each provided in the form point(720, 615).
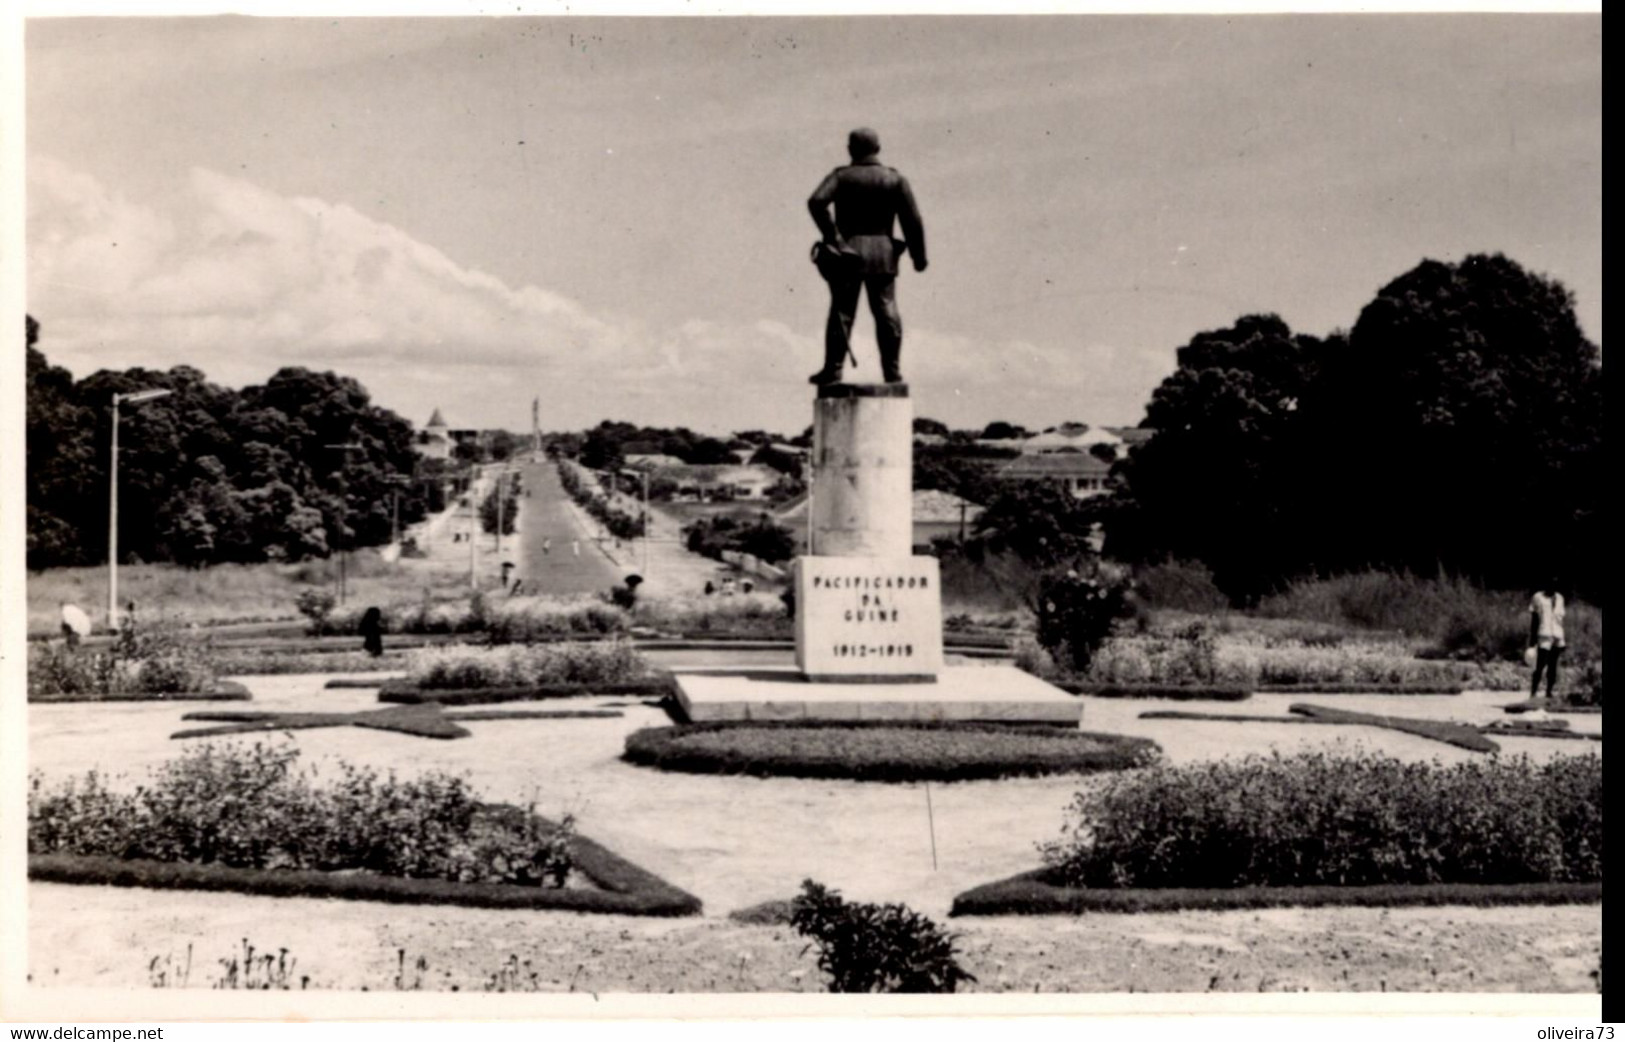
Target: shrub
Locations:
point(316, 605)
point(1181, 586)
point(460, 666)
point(1315, 819)
point(141, 660)
point(867, 948)
point(515, 620)
point(758, 614)
point(764, 538)
point(1076, 612)
point(884, 751)
point(245, 807)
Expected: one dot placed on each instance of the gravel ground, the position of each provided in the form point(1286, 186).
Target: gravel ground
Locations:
point(738, 841)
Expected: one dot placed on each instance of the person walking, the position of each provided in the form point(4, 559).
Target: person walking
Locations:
point(371, 629)
point(1546, 612)
point(861, 255)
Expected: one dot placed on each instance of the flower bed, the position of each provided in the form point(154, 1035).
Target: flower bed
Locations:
point(235, 818)
point(1314, 820)
point(884, 750)
point(1040, 893)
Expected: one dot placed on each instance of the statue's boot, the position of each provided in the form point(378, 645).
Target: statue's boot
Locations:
point(825, 377)
point(890, 366)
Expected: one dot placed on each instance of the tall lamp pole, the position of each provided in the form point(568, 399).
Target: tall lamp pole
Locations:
point(134, 397)
point(344, 551)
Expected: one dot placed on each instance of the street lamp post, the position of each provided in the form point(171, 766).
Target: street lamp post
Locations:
point(134, 397)
point(344, 551)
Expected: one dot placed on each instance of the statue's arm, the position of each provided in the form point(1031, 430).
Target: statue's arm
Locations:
point(908, 216)
point(818, 205)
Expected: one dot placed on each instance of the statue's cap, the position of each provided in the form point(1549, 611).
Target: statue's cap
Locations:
point(862, 142)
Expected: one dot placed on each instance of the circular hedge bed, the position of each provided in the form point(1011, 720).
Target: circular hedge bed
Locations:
point(884, 750)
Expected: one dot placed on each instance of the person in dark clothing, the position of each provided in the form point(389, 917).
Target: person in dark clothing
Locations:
point(372, 631)
point(868, 197)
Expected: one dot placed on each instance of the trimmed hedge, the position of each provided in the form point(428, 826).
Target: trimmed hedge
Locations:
point(1550, 705)
point(427, 720)
point(405, 692)
point(1464, 736)
point(224, 691)
point(1171, 692)
point(1038, 893)
point(883, 750)
point(1351, 688)
point(626, 888)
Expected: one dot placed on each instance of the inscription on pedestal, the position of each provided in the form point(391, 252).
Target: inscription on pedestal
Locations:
point(861, 618)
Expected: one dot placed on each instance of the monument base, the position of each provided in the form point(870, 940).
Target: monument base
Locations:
point(997, 693)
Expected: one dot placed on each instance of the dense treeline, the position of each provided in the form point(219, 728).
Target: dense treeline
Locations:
point(1456, 428)
point(210, 474)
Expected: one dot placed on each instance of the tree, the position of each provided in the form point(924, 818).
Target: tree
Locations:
point(600, 450)
point(1219, 481)
point(1478, 402)
point(926, 425)
point(1040, 522)
point(999, 430)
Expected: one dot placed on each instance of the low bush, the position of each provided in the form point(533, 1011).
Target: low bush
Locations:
point(1463, 620)
point(622, 888)
point(518, 666)
point(1042, 893)
point(754, 614)
point(763, 537)
point(1199, 653)
point(1180, 586)
point(141, 661)
point(1314, 819)
point(866, 948)
point(1076, 612)
point(884, 750)
point(510, 621)
point(247, 807)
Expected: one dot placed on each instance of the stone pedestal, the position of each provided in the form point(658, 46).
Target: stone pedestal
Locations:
point(868, 612)
point(863, 471)
point(867, 609)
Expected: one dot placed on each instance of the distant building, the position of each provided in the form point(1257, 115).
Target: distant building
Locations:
point(652, 461)
point(938, 513)
point(1081, 473)
point(698, 483)
point(434, 440)
point(1072, 437)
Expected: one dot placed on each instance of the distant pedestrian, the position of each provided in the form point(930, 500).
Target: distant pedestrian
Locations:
point(710, 587)
point(575, 547)
point(547, 545)
point(746, 586)
point(372, 631)
point(728, 586)
point(75, 624)
point(626, 595)
point(1546, 612)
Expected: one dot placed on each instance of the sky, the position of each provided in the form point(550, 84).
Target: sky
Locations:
point(608, 214)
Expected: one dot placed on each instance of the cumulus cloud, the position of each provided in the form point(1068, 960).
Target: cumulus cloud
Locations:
point(238, 281)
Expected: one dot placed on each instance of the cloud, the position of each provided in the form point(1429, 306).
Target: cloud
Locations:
point(238, 281)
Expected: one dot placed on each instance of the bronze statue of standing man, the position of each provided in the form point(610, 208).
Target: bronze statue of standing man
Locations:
point(868, 198)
